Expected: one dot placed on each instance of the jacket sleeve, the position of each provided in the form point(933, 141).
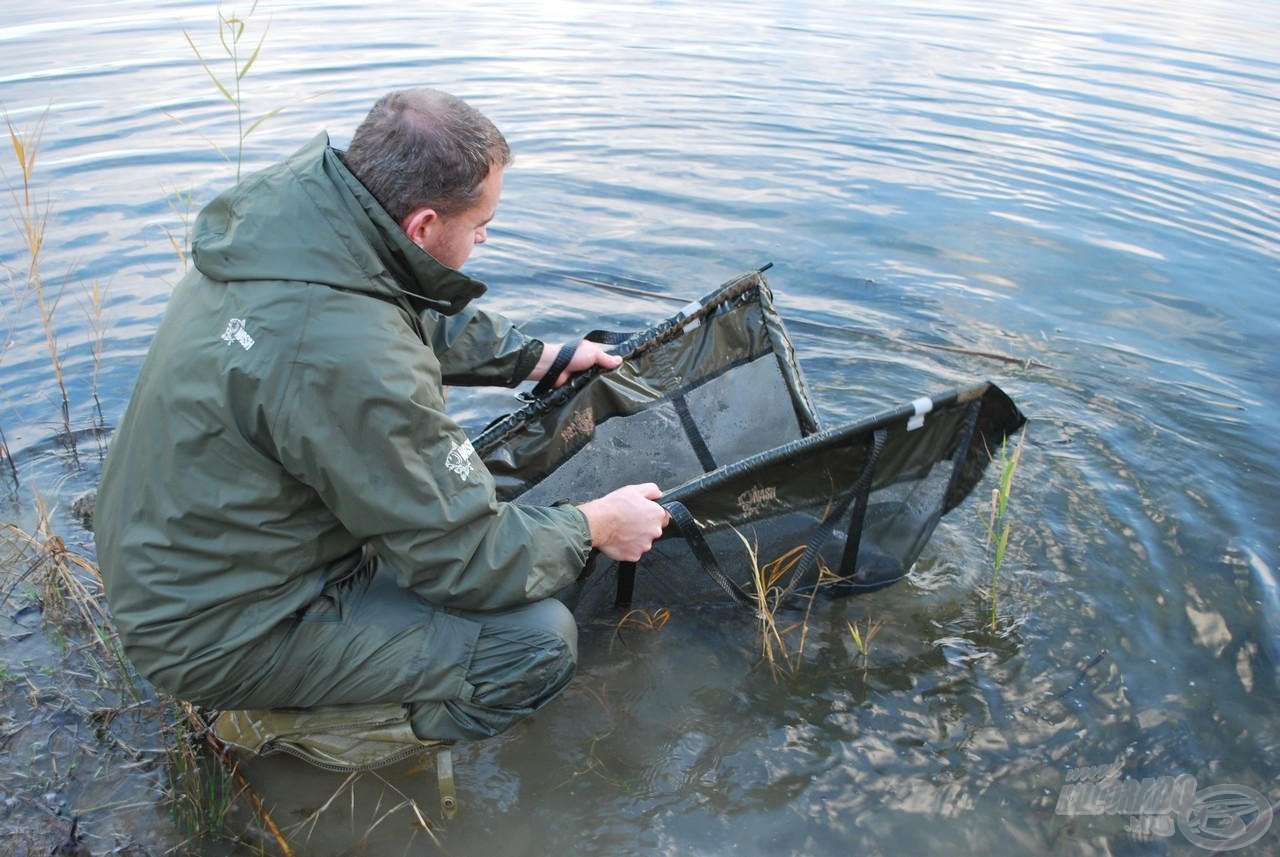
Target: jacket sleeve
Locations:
point(362, 422)
point(479, 348)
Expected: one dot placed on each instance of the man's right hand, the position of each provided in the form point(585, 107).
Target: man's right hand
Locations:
point(626, 522)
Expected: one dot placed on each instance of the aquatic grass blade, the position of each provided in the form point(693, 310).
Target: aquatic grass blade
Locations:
point(208, 69)
point(253, 57)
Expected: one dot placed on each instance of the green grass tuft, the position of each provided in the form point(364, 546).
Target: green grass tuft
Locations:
point(1000, 524)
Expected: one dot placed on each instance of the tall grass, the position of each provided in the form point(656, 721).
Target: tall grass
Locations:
point(32, 219)
point(232, 34)
point(36, 564)
point(781, 645)
point(93, 314)
point(183, 204)
point(1000, 524)
point(9, 309)
point(202, 797)
point(862, 637)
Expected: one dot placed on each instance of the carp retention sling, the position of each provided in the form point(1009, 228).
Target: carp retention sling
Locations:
point(711, 405)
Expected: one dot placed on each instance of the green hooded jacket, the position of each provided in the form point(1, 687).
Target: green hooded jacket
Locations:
point(289, 421)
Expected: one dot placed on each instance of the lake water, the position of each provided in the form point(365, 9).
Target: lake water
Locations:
point(1077, 200)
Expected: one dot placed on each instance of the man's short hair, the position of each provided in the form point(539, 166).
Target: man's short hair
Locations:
point(425, 148)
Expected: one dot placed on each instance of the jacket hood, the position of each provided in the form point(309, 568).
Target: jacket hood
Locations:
point(310, 220)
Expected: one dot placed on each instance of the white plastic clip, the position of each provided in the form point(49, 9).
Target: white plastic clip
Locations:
point(688, 311)
point(922, 407)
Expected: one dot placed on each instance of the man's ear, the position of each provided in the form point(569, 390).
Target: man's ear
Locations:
point(418, 224)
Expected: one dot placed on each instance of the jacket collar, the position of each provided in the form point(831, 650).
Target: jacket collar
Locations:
point(418, 276)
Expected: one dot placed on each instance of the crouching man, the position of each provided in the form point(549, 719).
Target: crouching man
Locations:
point(288, 518)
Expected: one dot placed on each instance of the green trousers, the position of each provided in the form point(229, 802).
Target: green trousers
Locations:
point(466, 675)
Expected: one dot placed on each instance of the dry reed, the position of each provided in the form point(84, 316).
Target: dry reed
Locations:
point(231, 32)
point(93, 313)
point(643, 620)
point(32, 220)
point(9, 310)
point(66, 582)
point(768, 598)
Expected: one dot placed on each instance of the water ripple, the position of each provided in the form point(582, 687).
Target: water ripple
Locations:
point(1074, 199)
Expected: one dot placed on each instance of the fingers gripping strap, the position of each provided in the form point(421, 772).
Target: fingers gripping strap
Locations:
point(548, 381)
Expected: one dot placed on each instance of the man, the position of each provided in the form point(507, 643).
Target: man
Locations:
point(287, 517)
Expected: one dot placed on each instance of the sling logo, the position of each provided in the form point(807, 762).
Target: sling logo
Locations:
point(237, 333)
point(578, 429)
point(757, 498)
point(460, 460)
point(1220, 818)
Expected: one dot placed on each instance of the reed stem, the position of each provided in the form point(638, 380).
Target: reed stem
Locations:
point(999, 524)
point(93, 313)
point(32, 222)
point(231, 31)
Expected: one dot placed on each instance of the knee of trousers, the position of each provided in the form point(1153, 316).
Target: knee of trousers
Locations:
point(525, 657)
point(552, 617)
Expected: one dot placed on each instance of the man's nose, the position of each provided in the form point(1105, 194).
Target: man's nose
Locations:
point(482, 235)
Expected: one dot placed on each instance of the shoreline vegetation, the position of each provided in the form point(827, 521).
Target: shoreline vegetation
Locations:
point(85, 740)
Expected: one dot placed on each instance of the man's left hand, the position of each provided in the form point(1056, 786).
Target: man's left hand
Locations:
point(587, 355)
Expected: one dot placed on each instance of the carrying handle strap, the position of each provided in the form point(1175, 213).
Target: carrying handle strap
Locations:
point(688, 528)
point(626, 584)
point(858, 495)
point(850, 558)
point(548, 381)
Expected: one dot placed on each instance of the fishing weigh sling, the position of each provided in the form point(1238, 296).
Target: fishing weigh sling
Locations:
point(710, 404)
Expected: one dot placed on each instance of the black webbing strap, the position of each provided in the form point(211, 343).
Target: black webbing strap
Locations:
point(548, 380)
point(696, 440)
point(610, 337)
point(849, 559)
point(857, 495)
point(961, 453)
point(626, 584)
point(688, 529)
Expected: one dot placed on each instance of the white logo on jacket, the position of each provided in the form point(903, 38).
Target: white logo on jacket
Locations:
point(236, 333)
point(459, 459)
